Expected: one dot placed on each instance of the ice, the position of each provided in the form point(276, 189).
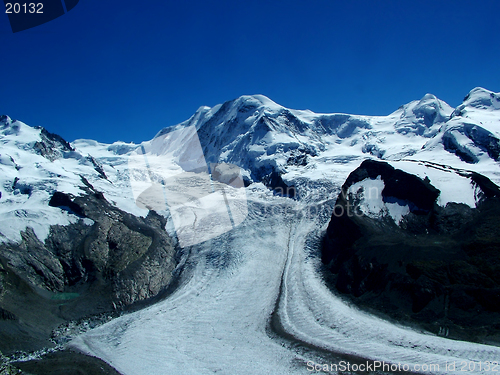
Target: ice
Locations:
point(217, 321)
point(220, 317)
point(251, 300)
point(369, 191)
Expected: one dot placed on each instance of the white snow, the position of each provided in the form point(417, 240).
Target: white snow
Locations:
point(27, 182)
point(219, 318)
point(369, 194)
point(453, 187)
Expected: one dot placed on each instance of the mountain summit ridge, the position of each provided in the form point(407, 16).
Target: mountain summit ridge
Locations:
point(266, 140)
point(76, 217)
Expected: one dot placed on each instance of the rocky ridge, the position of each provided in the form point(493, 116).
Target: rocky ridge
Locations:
point(436, 267)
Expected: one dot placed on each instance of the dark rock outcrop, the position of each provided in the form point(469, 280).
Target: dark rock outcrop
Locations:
point(438, 268)
point(63, 363)
point(51, 146)
point(279, 187)
point(107, 260)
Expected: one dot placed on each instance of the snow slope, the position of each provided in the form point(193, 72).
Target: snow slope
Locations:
point(313, 153)
point(219, 319)
point(34, 164)
point(251, 300)
point(28, 180)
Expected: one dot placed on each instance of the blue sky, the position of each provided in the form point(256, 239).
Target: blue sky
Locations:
point(122, 70)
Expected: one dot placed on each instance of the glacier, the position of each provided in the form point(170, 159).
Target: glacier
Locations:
point(252, 300)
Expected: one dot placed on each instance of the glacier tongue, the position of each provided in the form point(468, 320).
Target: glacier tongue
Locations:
point(242, 293)
point(237, 289)
point(252, 300)
point(217, 320)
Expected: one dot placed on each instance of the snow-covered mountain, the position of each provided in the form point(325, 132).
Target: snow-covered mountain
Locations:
point(268, 142)
point(257, 277)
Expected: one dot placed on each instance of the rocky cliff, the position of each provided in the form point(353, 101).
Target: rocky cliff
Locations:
point(106, 260)
point(436, 266)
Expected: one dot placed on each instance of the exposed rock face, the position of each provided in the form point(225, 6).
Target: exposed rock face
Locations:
point(439, 267)
point(51, 146)
point(107, 260)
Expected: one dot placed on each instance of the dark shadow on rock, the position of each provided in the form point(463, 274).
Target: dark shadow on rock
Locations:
point(66, 362)
point(438, 269)
point(105, 262)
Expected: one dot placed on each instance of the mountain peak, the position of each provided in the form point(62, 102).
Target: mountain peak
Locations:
point(478, 99)
point(263, 99)
point(247, 102)
point(4, 118)
point(482, 99)
point(432, 109)
point(428, 96)
point(420, 116)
